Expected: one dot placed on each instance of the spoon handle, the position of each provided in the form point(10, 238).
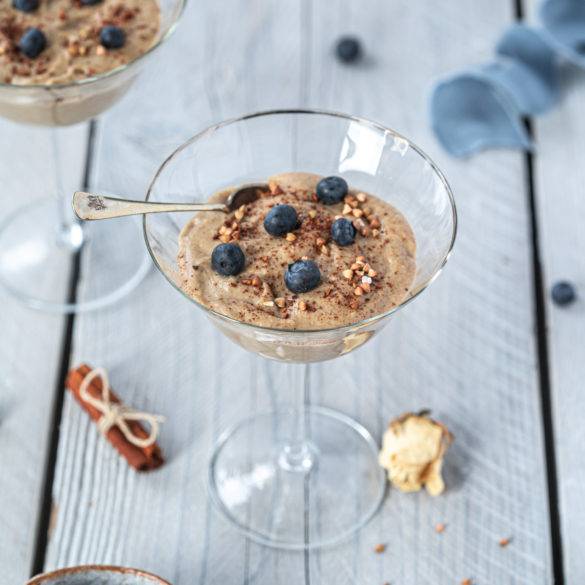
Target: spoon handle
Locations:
point(90, 206)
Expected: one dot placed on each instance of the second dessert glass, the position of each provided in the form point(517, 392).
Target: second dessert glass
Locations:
point(308, 476)
point(43, 238)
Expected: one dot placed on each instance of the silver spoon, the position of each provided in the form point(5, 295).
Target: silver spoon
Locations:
point(90, 206)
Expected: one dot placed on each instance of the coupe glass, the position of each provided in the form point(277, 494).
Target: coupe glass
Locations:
point(43, 238)
point(304, 477)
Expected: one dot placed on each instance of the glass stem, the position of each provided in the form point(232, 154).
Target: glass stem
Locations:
point(69, 230)
point(298, 455)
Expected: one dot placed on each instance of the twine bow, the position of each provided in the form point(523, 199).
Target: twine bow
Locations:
point(114, 414)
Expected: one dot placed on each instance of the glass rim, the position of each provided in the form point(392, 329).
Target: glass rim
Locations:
point(106, 74)
point(312, 111)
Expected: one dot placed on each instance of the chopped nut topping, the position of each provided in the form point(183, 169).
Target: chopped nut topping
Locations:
point(375, 233)
point(312, 214)
point(348, 274)
point(325, 250)
point(320, 242)
point(365, 287)
point(372, 273)
point(357, 212)
point(290, 237)
point(375, 223)
point(346, 209)
point(239, 214)
point(302, 306)
point(280, 302)
point(256, 281)
point(268, 303)
point(361, 259)
point(361, 197)
point(358, 291)
point(100, 51)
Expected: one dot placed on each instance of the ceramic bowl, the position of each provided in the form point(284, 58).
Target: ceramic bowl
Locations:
point(97, 575)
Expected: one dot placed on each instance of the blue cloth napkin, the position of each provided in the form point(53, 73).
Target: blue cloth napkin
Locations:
point(483, 107)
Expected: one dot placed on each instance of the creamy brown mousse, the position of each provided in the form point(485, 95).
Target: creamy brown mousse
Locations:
point(72, 30)
point(364, 279)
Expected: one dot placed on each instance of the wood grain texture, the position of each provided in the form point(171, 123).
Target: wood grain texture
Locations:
point(29, 348)
point(466, 348)
point(559, 181)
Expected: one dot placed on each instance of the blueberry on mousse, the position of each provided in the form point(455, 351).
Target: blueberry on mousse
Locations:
point(25, 5)
point(112, 37)
point(302, 276)
point(281, 220)
point(32, 43)
point(348, 49)
point(228, 259)
point(331, 190)
point(343, 232)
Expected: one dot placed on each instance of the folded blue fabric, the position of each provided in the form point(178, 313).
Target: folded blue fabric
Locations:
point(483, 107)
point(563, 23)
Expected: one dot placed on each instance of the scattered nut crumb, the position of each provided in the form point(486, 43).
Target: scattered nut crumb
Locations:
point(302, 306)
point(440, 528)
point(504, 542)
point(379, 548)
point(467, 582)
point(290, 237)
point(312, 214)
point(412, 452)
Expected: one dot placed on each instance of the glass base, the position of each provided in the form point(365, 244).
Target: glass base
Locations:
point(297, 497)
point(37, 258)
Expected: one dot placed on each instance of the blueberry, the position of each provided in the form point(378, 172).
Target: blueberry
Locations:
point(348, 49)
point(280, 220)
point(302, 276)
point(563, 293)
point(90, 2)
point(112, 37)
point(331, 190)
point(25, 5)
point(343, 232)
point(228, 259)
point(32, 43)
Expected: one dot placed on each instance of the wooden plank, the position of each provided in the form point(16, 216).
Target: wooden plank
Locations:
point(559, 180)
point(29, 348)
point(466, 348)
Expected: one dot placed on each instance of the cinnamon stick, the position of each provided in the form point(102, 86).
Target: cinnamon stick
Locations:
point(141, 458)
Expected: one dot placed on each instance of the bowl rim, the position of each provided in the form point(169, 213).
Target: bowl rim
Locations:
point(43, 577)
point(320, 112)
point(106, 74)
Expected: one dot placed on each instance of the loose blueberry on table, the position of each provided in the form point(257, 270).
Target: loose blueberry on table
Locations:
point(343, 232)
point(32, 43)
point(348, 49)
point(112, 37)
point(331, 190)
point(302, 276)
point(25, 5)
point(280, 220)
point(90, 2)
point(228, 259)
point(563, 293)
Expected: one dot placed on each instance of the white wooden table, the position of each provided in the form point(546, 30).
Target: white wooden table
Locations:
point(485, 349)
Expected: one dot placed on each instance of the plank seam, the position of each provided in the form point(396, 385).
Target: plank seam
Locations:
point(42, 530)
point(543, 357)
